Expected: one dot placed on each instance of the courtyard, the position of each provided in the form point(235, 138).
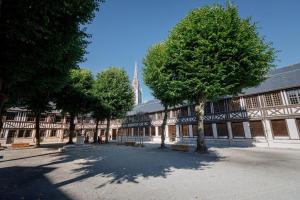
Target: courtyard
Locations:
point(120, 172)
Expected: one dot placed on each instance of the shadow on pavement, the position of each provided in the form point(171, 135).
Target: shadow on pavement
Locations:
point(117, 163)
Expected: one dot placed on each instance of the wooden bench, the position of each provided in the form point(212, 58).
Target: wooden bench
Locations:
point(180, 147)
point(19, 145)
point(129, 143)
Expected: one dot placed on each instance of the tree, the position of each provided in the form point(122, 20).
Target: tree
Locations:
point(38, 36)
point(214, 52)
point(75, 97)
point(97, 109)
point(112, 86)
point(160, 81)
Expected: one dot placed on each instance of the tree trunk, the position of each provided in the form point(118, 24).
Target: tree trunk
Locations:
point(107, 130)
point(72, 128)
point(37, 129)
point(163, 128)
point(199, 108)
point(96, 131)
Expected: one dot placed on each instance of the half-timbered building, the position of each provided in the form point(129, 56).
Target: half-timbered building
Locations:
point(266, 115)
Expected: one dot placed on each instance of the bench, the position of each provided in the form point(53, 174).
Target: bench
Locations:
point(129, 143)
point(19, 145)
point(180, 147)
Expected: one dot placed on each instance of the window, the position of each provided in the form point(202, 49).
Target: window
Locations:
point(159, 115)
point(273, 99)
point(184, 111)
point(147, 131)
point(42, 133)
point(234, 104)
point(136, 131)
point(152, 130)
point(11, 133)
point(219, 106)
point(11, 116)
point(256, 128)
point(252, 102)
point(21, 133)
point(53, 133)
point(185, 130)
point(30, 117)
point(207, 108)
point(192, 108)
point(43, 118)
point(28, 133)
point(176, 113)
point(159, 130)
point(294, 96)
point(57, 119)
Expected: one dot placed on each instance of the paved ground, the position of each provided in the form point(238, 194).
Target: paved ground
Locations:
point(120, 172)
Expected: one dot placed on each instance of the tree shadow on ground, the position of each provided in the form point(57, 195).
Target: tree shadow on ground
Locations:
point(129, 164)
point(28, 183)
point(110, 164)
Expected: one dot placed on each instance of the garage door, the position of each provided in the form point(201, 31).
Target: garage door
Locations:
point(279, 127)
point(257, 129)
point(237, 129)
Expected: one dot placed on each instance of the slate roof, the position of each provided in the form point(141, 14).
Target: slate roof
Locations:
point(278, 78)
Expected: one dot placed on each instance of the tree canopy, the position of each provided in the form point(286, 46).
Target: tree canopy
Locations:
point(75, 97)
point(160, 81)
point(112, 86)
point(214, 52)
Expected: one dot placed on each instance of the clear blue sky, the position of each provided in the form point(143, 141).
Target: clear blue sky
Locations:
point(123, 30)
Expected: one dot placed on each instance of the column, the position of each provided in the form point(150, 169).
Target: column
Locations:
point(177, 131)
point(229, 129)
point(190, 130)
point(292, 128)
point(247, 131)
point(167, 131)
point(156, 131)
point(189, 111)
point(215, 131)
point(268, 129)
point(144, 131)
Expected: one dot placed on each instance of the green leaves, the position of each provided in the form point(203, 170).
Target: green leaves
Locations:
point(75, 96)
point(157, 77)
point(112, 88)
point(215, 52)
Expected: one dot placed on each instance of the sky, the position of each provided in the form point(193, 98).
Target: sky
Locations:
point(123, 30)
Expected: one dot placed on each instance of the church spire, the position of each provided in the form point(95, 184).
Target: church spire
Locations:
point(136, 86)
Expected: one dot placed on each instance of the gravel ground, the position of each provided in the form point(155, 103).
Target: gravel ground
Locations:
point(120, 172)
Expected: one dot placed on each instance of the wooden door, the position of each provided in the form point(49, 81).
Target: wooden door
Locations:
point(237, 129)
point(222, 129)
point(172, 132)
point(114, 134)
point(208, 130)
point(279, 128)
point(10, 136)
point(257, 128)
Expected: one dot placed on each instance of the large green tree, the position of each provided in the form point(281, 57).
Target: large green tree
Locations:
point(160, 81)
point(36, 39)
point(214, 52)
point(112, 86)
point(75, 98)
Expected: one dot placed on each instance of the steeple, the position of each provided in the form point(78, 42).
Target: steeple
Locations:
point(136, 86)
